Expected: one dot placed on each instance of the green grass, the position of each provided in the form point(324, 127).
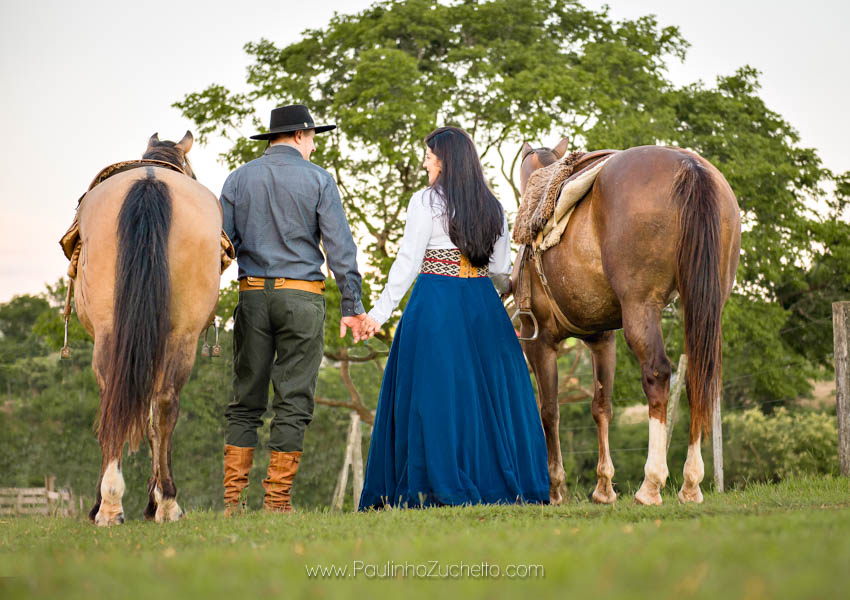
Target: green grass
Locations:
point(770, 541)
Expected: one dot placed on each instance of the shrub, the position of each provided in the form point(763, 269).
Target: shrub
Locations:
point(758, 447)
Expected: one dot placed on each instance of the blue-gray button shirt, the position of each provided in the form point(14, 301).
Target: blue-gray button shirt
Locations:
point(277, 209)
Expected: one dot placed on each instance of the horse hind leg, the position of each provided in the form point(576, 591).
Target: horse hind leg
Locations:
point(694, 470)
point(604, 354)
point(642, 329)
point(108, 508)
point(166, 408)
point(162, 503)
point(111, 511)
point(543, 357)
point(150, 509)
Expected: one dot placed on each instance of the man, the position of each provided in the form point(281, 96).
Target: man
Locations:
point(277, 210)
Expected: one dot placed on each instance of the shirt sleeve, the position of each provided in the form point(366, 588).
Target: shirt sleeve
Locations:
point(414, 242)
point(340, 248)
point(228, 223)
point(500, 261)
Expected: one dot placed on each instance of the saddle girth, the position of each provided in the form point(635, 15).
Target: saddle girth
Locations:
point(523, 292)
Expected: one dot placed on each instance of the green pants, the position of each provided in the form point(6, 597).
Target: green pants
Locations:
point(278, 335)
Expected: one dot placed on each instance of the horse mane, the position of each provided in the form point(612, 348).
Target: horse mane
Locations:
point(167, 151)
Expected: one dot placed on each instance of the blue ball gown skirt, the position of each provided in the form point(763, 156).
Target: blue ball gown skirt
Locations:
point(457, 421)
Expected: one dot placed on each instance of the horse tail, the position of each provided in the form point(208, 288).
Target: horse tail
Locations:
point(698, 273)
point(141, 318)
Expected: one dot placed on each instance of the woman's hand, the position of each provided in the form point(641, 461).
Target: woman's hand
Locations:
point(368, 328)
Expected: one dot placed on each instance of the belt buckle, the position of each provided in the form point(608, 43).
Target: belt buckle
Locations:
point(465, 268)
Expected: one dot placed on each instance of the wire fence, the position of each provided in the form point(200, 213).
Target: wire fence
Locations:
point(640, 401)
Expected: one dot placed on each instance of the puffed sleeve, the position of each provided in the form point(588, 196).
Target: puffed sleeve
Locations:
point(414, 242)
point(500, 261)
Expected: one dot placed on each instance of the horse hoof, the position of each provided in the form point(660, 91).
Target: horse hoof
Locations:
point(103, 520)
point(604, 496)
point(647, 498)
point(168, 511)
point(688, 496)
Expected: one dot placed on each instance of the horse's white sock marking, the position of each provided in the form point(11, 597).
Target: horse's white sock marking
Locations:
point(111, 492)
point(167, 509)
point(655, 470)
point(604, 492)
point(694, 471)
point(112, 485)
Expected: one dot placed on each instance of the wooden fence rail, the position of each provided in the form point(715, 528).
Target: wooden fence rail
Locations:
point(37, 501)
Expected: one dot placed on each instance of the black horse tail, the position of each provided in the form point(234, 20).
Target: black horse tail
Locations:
point(136, 349)
point(698, 272)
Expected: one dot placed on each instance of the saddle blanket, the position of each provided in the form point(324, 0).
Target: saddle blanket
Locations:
point(71, 242)
point(552, 193)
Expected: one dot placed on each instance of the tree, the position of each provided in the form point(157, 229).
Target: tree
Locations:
point(506, 71)
point(509, 71)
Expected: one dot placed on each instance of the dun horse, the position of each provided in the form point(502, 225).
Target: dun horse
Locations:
point(146, 285)
point(657, 220)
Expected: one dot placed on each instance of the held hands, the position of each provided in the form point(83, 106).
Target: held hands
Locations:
point(362, 327)
point(356, 324)
point(369, 327)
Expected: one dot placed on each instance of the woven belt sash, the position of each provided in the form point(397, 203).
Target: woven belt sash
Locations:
point(450, 262)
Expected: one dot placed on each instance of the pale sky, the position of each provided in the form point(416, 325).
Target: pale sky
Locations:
point(86, 83)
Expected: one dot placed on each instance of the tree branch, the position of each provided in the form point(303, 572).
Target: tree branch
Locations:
point(509, 178)
point(365, 414)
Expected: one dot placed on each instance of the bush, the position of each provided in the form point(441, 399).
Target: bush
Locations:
point(772, 448)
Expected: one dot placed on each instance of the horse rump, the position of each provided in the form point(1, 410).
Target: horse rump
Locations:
point(136, 347)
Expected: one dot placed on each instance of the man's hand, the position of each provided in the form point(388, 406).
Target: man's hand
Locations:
point(355, 323)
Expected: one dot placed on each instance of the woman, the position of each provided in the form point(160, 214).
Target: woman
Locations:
point(457, 421)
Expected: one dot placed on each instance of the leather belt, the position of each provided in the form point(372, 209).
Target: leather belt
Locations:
point(281, 283)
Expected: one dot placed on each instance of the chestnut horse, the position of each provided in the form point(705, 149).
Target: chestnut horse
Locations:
point(146, 285)
point(657, 220)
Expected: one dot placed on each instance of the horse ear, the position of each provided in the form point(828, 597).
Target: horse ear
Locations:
point(153, 141)
point(186, 143)
point(526, 148)
point(562, 147)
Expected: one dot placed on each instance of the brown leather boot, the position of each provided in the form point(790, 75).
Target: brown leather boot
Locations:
point(278, 484)
point(237, 465)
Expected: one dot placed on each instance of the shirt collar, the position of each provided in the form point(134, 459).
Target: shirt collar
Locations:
point(283, 149)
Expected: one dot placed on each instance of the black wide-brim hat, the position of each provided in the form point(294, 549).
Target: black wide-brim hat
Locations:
point(286, 119)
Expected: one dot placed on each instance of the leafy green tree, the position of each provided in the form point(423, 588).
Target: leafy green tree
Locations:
point(508, 72)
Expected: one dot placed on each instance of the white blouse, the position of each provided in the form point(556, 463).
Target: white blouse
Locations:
point(426, 229)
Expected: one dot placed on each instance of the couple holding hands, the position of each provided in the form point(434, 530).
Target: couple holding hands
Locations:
point(457, 421)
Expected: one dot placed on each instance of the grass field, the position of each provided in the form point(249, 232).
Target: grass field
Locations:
point(790, 540)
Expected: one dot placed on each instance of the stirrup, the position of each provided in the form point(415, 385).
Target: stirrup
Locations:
point(216, 349)
point(65, 353)
point(519, 312)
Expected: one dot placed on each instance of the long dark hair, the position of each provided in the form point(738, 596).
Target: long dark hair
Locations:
point(474, 216)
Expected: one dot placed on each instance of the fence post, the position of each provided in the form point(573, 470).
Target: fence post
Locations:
point(675, 394)
point(717, 441)
point(354, 460)
point(841, 333)
point(357, 460)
